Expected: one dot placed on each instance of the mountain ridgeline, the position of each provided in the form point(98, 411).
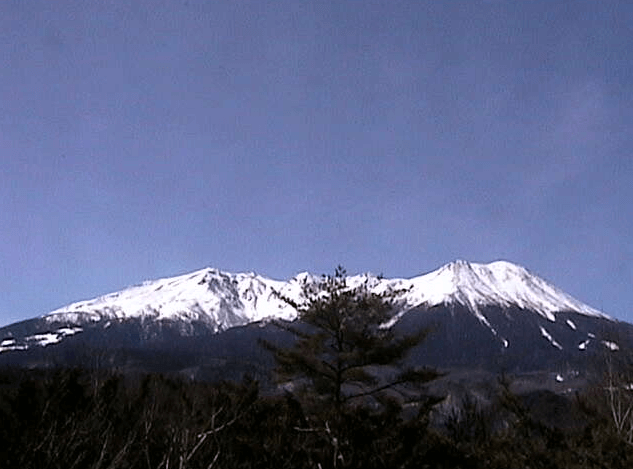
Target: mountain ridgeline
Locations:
point(207, 324)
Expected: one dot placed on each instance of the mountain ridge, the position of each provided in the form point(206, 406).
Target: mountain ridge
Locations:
point(224, 300)
point(496, 316)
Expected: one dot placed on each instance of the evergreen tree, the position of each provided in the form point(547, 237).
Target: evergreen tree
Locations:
point(345, 346)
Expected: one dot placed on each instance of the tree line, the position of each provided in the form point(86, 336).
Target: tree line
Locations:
point(74, 419)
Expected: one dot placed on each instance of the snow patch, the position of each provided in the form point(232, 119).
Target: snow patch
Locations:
point(571, 324)
point(547, 335)
point(66, 331)
point(10, 344)
point(610, 345)
point(45, 339)
point(10, 348)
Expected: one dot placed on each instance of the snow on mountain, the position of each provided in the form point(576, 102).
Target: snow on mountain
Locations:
point(499, 283)
point(223, 300)
point(218, 299)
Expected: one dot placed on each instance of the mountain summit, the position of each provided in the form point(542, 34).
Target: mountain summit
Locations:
point(499, 283)
point(222, 300)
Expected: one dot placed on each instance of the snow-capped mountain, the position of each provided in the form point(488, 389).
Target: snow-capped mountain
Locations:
point(481, 314)
point(218, 299)
point(223, 300)
point(500, 283)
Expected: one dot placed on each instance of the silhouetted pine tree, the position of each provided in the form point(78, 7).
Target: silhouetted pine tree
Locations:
point(344, 343)
point(347, 360)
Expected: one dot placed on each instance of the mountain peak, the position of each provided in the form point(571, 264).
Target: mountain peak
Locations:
point(223, 300)
point(211, 296)
point(500, 283)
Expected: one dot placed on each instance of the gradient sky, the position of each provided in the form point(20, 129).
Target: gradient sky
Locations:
point(146, 138)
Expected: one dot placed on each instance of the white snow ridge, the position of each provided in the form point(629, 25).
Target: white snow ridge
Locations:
point(499, 283)
point(223, 300)
point(219, 299)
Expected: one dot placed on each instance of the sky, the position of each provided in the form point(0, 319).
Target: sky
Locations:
point(141, 139)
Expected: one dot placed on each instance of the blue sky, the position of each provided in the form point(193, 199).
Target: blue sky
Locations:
point(142, 139)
